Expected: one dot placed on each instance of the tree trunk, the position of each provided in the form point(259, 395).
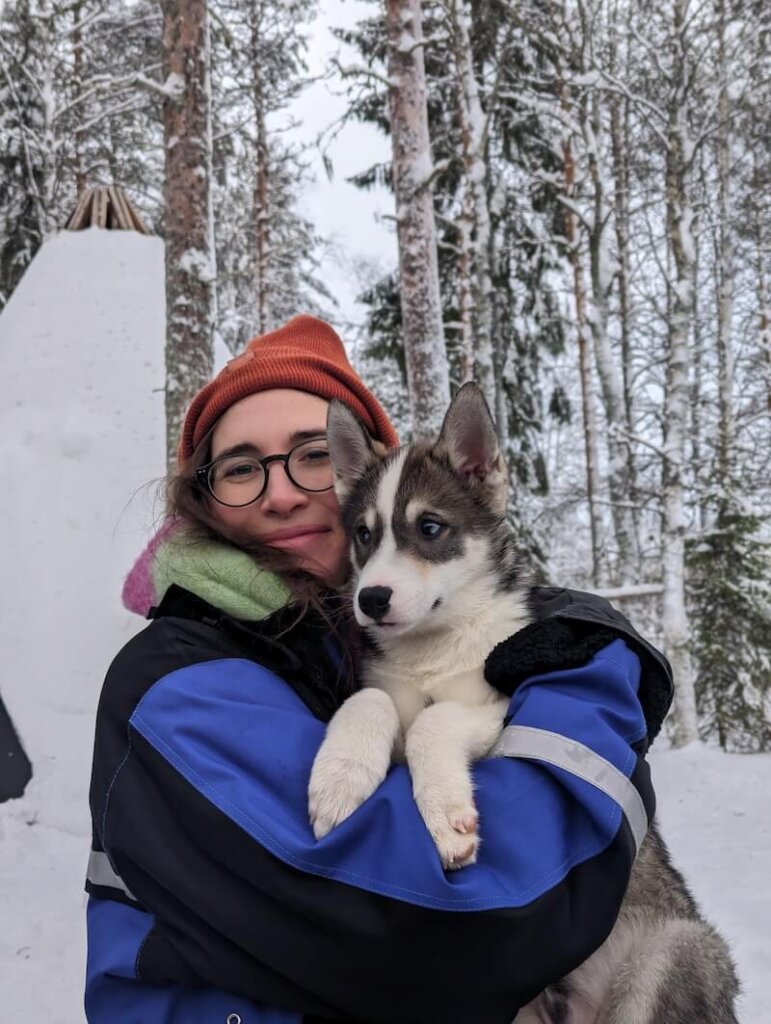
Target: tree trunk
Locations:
point(620, 147)
point(725, 265)
point(679, 229)
point(619, 134)
point(697, 383)
point(261, 185)
point(78, 46)
point(610, 378)
point(584, 367)
point(190, 297)
point(465, 226)
point(472, 124)
point(426, 357)
point(764, 312)
point(48, 141)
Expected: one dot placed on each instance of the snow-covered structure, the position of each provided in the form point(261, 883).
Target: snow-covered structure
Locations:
point(82, 432)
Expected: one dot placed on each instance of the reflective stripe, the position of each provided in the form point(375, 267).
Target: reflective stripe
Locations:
point(580, 760)
point(101, 872)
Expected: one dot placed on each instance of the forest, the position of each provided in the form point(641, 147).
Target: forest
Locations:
point(581, 198)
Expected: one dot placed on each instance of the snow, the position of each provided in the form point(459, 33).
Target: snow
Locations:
point(714, 815)
point(174, 86)
point(198, 263)
point(81, 432)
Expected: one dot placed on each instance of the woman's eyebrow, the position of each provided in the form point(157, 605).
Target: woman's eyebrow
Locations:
point(248, 448)
point(306, 435)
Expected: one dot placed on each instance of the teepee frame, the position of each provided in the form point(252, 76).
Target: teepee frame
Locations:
point(105, 206)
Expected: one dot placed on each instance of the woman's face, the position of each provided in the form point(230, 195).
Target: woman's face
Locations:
point(303, 523)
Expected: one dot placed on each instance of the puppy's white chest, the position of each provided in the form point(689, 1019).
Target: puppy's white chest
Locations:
point(412, 692)
point(466, 687)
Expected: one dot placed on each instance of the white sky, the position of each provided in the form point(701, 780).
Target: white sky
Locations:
point(343, 213)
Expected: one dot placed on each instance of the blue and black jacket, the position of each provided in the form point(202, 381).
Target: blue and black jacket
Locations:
point(211, 900)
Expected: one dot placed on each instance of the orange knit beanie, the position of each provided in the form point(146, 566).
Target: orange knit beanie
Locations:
point(305, 354)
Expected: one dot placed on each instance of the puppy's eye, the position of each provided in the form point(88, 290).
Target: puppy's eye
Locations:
point(431, 528)
point(363, 535)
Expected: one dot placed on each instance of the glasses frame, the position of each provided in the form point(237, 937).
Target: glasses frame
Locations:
point(203, 474)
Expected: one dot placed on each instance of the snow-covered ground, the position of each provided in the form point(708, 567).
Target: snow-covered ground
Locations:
point(715, 815)
point(81, 428)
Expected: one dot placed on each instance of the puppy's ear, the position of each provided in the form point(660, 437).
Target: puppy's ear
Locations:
point(469, 438)
point(351, 449)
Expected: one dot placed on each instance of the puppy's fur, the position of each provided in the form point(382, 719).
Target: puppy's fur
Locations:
point(438, 585)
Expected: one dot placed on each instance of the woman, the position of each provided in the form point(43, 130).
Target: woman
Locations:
point(210, 899)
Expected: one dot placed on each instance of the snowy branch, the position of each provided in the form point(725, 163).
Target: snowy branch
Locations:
point(359, 71)
point(438, 168)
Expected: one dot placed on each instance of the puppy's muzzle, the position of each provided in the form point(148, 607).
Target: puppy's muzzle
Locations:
point(375, 602)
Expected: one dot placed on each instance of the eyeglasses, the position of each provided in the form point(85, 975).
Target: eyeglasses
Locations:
point(238, 480)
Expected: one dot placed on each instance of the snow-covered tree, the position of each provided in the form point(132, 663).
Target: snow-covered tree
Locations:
point(190, 267)
point(730, 598)
point(268, 253)
point(473, 182)
point(76, 107)
point(413, 172)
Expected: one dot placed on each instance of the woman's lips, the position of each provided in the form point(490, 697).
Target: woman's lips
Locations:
point(296, 538)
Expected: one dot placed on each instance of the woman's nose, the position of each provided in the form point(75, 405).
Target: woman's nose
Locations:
point(281, 495)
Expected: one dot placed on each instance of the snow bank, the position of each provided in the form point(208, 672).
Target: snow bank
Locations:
point(81, 434)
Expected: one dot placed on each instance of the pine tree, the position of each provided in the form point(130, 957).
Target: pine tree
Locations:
point(268, 254)
point(520, 309)
point(730, 598)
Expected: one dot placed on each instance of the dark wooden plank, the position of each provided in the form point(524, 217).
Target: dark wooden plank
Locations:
point(77, 220)
point(100, 208)
point(122, 208)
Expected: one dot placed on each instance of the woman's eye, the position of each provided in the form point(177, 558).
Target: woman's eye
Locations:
point(316, 455)
point(430, 527)
point(363, 535)
point(241, 469)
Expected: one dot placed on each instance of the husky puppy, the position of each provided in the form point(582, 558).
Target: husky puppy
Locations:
point(438, 585)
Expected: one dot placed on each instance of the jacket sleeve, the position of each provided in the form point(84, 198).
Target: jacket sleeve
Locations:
point(569, 628)
point(200, 823)
point(116, 994)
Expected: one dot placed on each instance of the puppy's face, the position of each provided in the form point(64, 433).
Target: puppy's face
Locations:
point(423, 520)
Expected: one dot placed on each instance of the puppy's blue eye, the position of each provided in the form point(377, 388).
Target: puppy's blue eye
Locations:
point(363, 535)
point(430, 528)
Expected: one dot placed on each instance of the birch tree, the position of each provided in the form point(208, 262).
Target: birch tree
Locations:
point(476, 231)
point(726, 262)
point(190, 271)
point(679, 221)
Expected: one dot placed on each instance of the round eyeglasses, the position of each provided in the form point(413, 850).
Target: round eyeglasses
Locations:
point(238, 480)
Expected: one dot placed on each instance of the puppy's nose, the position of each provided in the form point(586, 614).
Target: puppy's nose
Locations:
point(375, 601)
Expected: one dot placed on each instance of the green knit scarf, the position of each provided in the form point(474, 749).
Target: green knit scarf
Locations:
point(224, 576)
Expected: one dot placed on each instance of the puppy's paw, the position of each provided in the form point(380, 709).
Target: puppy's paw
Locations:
point(455, 831)
point(353, 759)
point(338, 787)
